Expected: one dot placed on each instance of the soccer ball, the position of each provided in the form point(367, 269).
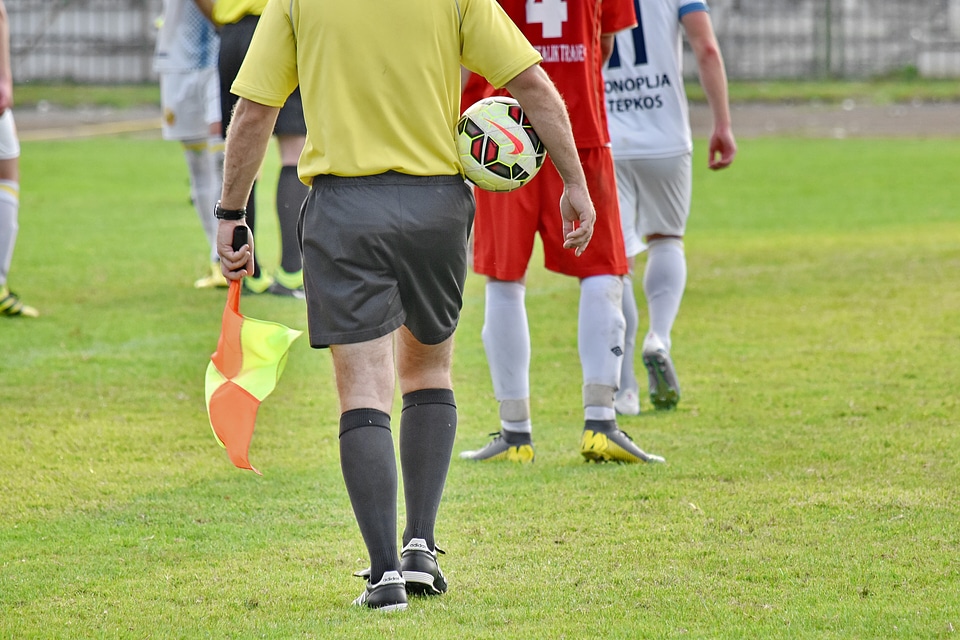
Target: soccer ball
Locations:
point(498, 147)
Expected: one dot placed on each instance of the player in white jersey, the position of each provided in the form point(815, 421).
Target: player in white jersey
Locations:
point(186, 59)
point(10, 303)
point(652, 148)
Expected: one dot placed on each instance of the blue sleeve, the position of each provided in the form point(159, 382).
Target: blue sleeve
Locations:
point(691, 7)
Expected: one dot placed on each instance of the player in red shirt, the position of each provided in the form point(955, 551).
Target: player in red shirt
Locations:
point(574, 38)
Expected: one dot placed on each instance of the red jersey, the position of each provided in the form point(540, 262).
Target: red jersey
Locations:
point(567, 35)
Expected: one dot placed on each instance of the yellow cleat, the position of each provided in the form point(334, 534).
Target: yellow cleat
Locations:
point(603, 441)
point(289, 280)
point(289, 285)
point(11, 305)
point(214, 280)
point(258, 285)
point(499, 449)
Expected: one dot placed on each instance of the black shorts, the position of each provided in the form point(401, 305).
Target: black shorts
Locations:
point(384, 251)
point(234, 42)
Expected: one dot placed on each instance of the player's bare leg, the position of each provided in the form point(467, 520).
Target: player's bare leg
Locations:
point(365, 384)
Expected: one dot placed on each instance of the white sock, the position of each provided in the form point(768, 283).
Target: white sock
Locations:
point(599, 413)
point(9, 207)
point(600, 331)
point(524, 426)
point(506, 340)
point(631, 315)
point(215, 148)
point(203, 188)
point(664, 281)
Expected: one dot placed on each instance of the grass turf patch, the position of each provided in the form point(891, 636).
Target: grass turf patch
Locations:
point(810, 489)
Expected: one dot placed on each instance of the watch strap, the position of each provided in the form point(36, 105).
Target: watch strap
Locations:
point(228, 214)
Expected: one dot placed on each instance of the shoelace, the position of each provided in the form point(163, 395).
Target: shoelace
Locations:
point(436, 550)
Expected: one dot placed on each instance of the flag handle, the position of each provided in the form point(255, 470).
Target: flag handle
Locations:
point(240, 238)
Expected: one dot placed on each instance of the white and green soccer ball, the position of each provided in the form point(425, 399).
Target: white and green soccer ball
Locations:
point(498, 147)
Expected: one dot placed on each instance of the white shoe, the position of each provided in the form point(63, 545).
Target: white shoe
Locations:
point(627, 402)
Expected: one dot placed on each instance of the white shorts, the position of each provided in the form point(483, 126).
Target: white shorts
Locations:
point(654, 195)
point(9, 142)
point(191, 103)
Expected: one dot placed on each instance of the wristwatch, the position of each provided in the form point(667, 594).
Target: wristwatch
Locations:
point(228, 214)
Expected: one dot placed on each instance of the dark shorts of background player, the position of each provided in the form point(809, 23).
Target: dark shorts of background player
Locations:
point(384, 251)
point(234, 42)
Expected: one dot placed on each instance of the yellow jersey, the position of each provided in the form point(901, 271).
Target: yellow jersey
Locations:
point(380, 81)
point(230, 11)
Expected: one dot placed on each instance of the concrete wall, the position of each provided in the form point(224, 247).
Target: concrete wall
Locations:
point(111, 41)
point(86, 41)
point(838, 38)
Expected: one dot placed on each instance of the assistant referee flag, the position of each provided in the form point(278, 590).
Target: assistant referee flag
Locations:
point(244, 370)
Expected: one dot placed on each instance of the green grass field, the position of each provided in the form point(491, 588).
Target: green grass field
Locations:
point(811, 489)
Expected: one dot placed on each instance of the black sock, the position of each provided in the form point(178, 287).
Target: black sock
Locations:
point(369, 468)
point(290, 196)
point(428, 426)
point(251, 222)
point(515, 438)
point(600, 426)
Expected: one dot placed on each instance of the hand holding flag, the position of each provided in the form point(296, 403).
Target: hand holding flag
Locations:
point(243, 371)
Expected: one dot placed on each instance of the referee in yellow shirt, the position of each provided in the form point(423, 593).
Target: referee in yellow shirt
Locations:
point(384, 230)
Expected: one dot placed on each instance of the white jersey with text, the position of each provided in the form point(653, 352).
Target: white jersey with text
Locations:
point(187, 41)
point(646, 102)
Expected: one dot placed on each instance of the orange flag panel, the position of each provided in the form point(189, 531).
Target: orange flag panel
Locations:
point(243, 371)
